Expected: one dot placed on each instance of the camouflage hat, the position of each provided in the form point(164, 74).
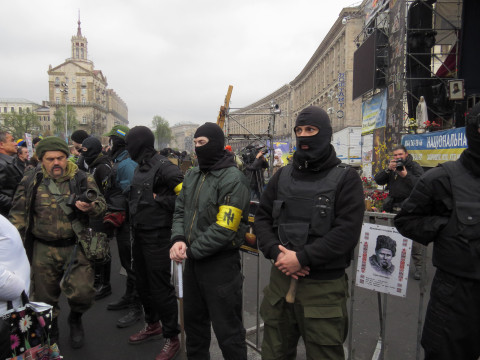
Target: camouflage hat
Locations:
point(118, 130)
point(51, 143)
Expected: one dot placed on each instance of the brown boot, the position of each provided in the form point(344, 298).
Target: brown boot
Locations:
point(170, 350)
point(149, 332)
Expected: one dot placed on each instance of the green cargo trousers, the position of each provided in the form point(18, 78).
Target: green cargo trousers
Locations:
point(319, 315)
point(48, 266)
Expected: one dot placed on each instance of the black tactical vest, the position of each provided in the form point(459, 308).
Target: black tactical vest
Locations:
point(145, 212)
point(457, 248)
point(304, 210)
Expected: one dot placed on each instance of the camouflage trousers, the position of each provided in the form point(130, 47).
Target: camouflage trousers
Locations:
point(48, 267)
point(319, 315)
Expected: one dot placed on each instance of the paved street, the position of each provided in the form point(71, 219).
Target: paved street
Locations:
point(107, 342)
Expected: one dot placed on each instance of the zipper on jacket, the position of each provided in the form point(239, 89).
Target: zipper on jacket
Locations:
point(195, 213)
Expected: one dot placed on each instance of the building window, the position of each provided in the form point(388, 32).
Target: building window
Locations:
point(12, 109)
point(76, 52)
point(5, 109)
point(84, 119)
point(57, 100)
point(82, 53)
point(74, 99)
point(84, 91)
point(84, 102)
point(84, 81)
point(57, 81)
point(57, 90)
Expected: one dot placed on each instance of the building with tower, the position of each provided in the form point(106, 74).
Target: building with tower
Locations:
point(79, 97)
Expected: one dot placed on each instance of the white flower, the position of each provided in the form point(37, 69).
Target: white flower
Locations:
point(25, 323)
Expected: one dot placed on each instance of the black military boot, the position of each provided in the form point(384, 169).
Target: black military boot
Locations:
point(102, 284)
point(77, 335)
point(54, 334)
point(134, 314)
point(126, 300)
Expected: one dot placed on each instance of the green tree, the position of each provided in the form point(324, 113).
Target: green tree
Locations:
point(162, 131)
point(20, 123)
point(59, 120)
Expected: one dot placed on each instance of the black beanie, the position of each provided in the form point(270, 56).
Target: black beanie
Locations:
point(210, 153)
point(319, 151)
point(140, 141)
point(94, 148)
point(78, 136)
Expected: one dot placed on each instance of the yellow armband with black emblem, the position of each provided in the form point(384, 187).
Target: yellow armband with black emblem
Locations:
point(229, 217)
point(178, 188)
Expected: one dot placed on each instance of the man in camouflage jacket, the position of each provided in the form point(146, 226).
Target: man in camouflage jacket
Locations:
point(49, 237)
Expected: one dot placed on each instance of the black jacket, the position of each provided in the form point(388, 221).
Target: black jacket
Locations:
point(399, 188)
point(340, 239)
point(10, 176)
point(254, 172)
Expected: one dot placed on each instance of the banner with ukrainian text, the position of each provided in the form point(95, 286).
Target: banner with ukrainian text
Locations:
point(431, 149)
point(374, 113)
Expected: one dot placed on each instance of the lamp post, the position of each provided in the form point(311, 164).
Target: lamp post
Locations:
point(65, 91)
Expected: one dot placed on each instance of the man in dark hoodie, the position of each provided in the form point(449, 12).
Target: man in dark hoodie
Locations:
point(209, 225)
point(443, 208)
point(155, 185)
point(99, 166)
point(116, 196)
point(308, 223)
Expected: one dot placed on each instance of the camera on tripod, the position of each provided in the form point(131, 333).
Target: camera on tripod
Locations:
point(249, 154)
point(400, 165)
point(88, 196)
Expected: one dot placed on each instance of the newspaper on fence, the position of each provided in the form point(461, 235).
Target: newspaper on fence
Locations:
point(383, 260)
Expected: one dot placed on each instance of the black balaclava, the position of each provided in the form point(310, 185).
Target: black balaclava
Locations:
point(210, 153)
point(140, 143)
point(116, 144)
point(94, 148)
point(319, 149)
point(470, 157)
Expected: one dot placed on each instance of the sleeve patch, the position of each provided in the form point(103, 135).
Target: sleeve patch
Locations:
point(178, 188)
point(229, 217)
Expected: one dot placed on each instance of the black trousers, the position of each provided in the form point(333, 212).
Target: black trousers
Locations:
point(213, 296)
point(124, 245)
point(452, 323)
point(152, 268)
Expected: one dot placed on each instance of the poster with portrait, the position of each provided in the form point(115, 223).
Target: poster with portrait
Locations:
point(455, 89)
point(383, 260)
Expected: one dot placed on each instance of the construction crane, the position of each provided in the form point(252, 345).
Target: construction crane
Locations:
point(223, 109)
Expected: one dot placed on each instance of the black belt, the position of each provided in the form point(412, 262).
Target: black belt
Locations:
point(57, 243)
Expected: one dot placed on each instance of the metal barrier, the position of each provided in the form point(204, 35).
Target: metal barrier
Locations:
point(382, 298)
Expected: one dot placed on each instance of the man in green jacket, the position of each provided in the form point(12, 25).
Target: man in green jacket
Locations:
point(209, 225)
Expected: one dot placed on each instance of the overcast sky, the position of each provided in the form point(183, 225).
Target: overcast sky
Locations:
point(169, 58)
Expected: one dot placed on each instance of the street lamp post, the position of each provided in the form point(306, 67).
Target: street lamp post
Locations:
point(65, 91)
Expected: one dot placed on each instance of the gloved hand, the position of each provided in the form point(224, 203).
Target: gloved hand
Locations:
point(115, 219)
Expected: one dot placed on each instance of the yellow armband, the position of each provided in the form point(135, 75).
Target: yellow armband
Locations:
point(229, 217)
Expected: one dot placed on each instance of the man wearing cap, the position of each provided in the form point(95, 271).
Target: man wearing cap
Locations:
point(151, 202)
point(444, 209)
point(209, 226)
point(116, 195)
point(49, 236)
point(308, 223)
point(385, 250)
point(10, 173)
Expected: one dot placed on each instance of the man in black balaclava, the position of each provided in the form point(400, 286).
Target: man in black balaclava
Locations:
point(155, 185)
point(308, 222)
point(209, 226)
point(443, 208)
point(99, 166)
point(123, 169)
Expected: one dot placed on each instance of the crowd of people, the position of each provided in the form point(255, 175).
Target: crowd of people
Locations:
point(308, 222)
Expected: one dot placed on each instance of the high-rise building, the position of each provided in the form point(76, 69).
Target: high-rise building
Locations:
point(80, 90)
